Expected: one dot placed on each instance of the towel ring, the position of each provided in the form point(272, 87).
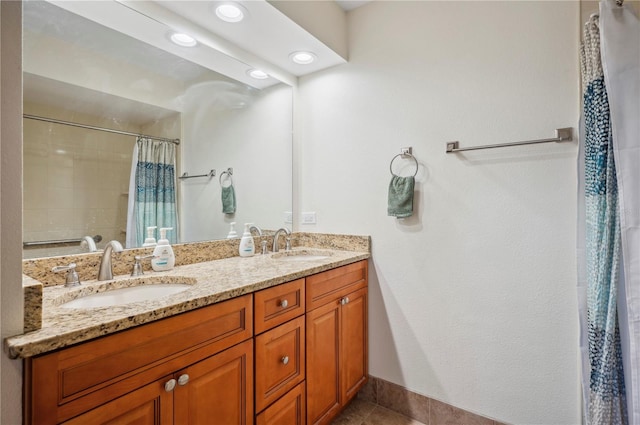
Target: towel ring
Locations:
point(403, 155)
point(229, 173)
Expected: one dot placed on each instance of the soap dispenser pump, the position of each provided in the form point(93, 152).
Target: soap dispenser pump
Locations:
point(232, 231)
point(247, 247)
point(163, 256)
point(150, 240)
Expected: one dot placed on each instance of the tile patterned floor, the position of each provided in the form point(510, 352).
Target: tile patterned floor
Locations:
point(360, 412)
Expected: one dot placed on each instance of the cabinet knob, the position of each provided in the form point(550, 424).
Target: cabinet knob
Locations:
point(183, 379)
point(344, 301)
point(170, 385)
point(284, 303)
point(285, 360)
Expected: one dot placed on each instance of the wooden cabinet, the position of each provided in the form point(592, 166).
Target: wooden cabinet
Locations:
point(280, 361)
point(217, 387)
point(206, 366)
point(67, 383)
point(149, 405)
point(279, 304)
point(337, 357)
point(288, 410)
point(280, 354)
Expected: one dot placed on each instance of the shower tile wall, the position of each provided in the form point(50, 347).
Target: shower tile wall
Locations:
point(75, 181)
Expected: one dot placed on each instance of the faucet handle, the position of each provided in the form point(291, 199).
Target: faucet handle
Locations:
point(72, 276)
point(137, 266)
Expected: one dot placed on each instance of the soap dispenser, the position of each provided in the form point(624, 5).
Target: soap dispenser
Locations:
point(163, 257)
point(150, 240)
point(247, 247)
point(232, 231)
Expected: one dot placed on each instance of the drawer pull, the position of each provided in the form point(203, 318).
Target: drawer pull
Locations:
point(170, 385)
point(183, 379)
point(344, 301)
point(285, 360)
point(284, 303)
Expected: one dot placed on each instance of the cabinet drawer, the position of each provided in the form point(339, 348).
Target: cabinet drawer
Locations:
point(288, 410)
point(84, 376)
point(333, 284)
point(279, 304)
point(280, 361)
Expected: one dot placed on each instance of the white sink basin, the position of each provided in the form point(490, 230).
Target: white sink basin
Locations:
point(116, 297)
point(301, 255)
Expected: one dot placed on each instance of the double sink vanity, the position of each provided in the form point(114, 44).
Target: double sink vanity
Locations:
point(279, 338)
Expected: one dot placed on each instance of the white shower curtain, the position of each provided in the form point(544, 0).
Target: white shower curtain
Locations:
point(620, 46)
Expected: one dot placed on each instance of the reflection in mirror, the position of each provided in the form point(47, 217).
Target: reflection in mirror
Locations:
point(76, 179)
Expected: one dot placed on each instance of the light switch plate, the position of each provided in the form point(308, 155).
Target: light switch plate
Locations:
point(308, 218)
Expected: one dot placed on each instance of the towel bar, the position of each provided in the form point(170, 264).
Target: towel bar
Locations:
point(186, 175)
point(562, 135)
point(96, 238)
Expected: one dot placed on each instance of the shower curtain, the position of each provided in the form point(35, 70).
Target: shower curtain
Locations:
point(152, 195)
point(609, 276)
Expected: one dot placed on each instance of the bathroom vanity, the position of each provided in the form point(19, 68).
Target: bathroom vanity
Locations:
point(288, 349)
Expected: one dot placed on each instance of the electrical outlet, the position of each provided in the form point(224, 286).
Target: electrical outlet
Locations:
point(308, 218)
point(288, 217)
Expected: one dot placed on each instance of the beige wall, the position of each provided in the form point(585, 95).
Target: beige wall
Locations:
point(472, 300)
point(10, 205)
point(75, 180)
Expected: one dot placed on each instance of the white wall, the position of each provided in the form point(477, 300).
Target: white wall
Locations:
point(472, 300)
point(73, 64)
point(75, 180)
point(254, 140)
point(11, 318)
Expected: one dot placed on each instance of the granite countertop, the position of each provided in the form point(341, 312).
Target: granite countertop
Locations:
point(212, 282)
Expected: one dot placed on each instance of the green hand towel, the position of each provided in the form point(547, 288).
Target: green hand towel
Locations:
point(401, 196)
point(228, 200)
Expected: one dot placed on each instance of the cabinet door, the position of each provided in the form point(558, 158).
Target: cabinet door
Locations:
point(149, 405)
point(218, 389)
point(278, 304)
point(288, 410)
point(323, 371)
point(279, 361)
point(354, 346)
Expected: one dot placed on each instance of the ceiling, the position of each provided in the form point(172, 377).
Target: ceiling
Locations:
point(136, 32)
point(348, 5)
point(264, 40)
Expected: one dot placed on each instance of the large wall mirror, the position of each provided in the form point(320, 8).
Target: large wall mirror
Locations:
point(79, 70)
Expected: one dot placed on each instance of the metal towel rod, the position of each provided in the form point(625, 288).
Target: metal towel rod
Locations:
point(96, 238)
point(186, 175)
point(562, 135)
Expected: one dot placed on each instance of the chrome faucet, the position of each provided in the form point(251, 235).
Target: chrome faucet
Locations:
point(72, 276)
point(287, 233)
point(256, 228)
point(106, 268)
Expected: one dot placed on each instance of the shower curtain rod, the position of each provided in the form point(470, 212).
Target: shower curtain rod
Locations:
point(91, 127)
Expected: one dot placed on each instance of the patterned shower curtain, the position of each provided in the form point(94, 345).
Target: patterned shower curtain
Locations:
point(153, 184)
point(605, 390)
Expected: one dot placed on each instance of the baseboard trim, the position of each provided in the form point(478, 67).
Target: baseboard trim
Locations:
point(416, 406)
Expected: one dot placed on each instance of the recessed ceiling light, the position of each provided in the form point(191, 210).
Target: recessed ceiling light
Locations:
point(231, 12)
point(257, 74)
point(303, 58)
point(183, 39)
